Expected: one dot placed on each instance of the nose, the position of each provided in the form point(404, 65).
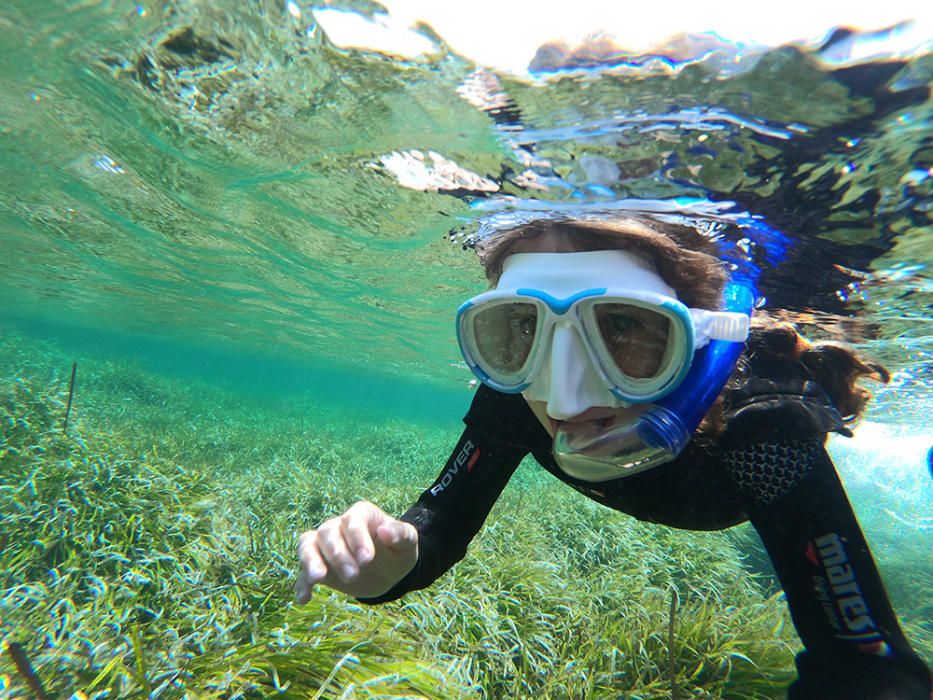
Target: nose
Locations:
point(572, 383)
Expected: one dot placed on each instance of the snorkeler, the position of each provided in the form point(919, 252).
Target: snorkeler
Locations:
point(621, 355)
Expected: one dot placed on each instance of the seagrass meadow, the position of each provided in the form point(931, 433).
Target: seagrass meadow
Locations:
point(148, 552)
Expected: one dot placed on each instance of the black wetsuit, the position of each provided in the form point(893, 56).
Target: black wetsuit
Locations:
point(770, 467)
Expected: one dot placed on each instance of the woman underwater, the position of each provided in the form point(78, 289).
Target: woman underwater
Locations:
point(584, 347)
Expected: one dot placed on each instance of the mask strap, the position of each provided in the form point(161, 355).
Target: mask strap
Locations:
point(719, 325)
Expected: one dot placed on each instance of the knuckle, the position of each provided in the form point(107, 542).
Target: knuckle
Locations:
point(348, 522)
point(328, 526)
point(360, 508)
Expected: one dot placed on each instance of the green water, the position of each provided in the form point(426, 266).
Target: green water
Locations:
point(198, 206)
point(161, 184)
point(265, 231)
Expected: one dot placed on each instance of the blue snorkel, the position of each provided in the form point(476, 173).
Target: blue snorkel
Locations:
point(672, 422)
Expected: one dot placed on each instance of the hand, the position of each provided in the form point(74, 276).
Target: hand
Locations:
point(362, 553)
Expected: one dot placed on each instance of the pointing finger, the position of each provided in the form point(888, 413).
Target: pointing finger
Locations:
point(312, 563)
point(302, 589)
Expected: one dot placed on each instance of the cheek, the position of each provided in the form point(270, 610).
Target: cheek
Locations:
point(640, 360)
point(641, 363)
point(539, 408)
point(641, 355)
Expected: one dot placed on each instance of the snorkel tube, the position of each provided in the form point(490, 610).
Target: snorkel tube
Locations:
point(665, 427)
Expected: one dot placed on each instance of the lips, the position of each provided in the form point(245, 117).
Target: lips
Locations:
point(606, 422)
point(580, 428)
point(596, 423)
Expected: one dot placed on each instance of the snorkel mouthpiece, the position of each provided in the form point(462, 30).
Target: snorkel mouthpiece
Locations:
point(592, 454)
point(660, 432)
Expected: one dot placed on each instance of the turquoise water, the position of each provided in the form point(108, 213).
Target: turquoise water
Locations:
point(210, 175)
point(217, 194)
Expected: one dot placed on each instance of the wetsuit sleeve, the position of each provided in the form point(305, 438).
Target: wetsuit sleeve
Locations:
point(450, 513)
point(854, 647)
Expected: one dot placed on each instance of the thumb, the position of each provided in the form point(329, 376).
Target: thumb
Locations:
point(398, 535)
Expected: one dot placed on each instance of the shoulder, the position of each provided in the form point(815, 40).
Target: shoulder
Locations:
point(507, 418)
point(777, 395)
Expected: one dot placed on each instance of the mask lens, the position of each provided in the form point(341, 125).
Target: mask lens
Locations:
point(635, 337)
point(504, 335)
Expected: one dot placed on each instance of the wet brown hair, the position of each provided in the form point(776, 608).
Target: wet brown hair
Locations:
point(833, 365)
point(682, 257)
point(687, 261)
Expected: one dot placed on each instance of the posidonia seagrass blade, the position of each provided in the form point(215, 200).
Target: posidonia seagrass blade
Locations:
point(24, 666)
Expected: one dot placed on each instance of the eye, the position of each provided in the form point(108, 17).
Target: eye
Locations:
point(621, 324)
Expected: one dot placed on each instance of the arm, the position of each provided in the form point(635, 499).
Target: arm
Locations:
point(449, 514)
point(854, 645)
point(773, 449)
point(369, 554)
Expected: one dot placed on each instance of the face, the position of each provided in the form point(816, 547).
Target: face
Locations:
point(640, 339)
